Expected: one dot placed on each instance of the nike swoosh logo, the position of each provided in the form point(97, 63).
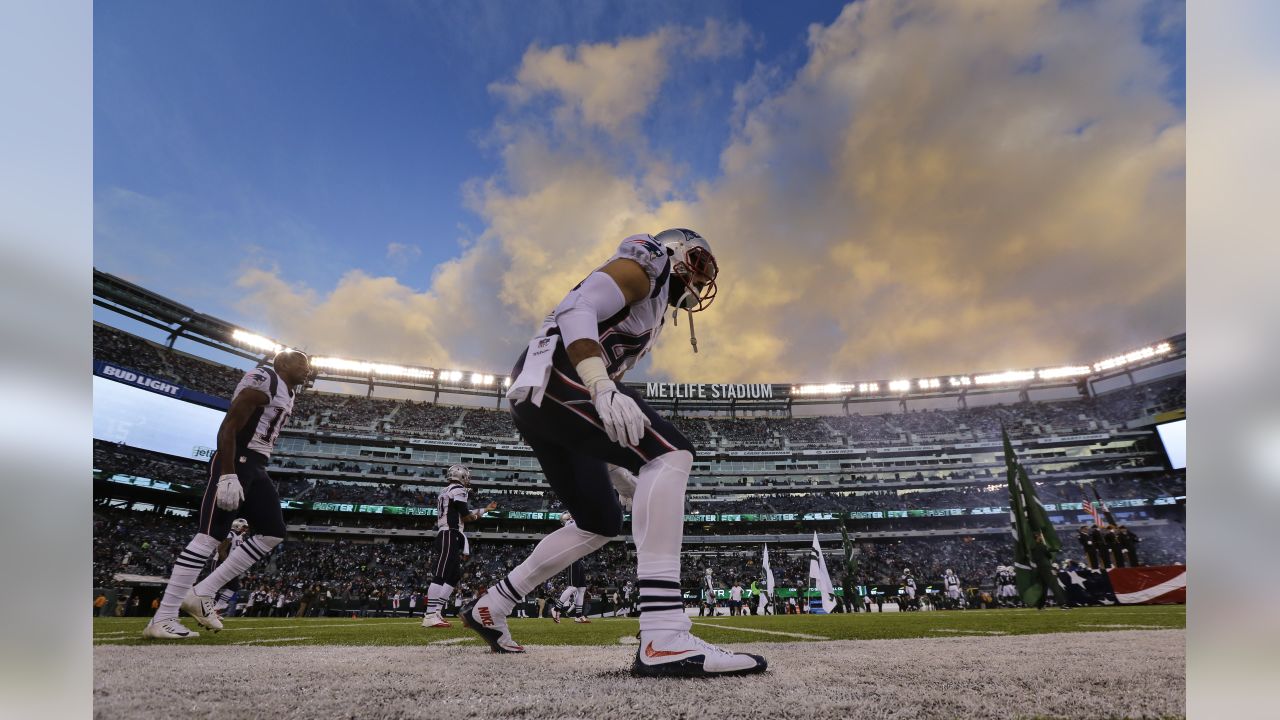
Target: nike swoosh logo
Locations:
point(650, 652)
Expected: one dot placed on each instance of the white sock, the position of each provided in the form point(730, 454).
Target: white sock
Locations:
point(658, 523)
point(240, 560)
point(556, 552)
point(437, 597)
point(579, 600)
point(186, 568)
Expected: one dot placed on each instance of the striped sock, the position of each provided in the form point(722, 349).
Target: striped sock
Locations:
point(240, 560)
point(437, 595)
point(661, 607)
point(186, 568)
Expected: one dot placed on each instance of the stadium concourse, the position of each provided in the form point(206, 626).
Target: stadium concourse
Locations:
point(914, 473)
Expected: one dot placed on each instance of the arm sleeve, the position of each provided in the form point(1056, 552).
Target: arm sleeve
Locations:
point(460, 506)
point(595, 299)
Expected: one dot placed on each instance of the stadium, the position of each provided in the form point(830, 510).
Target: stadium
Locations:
point(912, 469)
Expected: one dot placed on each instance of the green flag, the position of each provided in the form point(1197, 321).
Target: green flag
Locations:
point(1031, 528)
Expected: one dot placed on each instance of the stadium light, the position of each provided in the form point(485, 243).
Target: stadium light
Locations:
point(899, 385)
point(1064, 372)
point(506, 382)
point(1131, 357)
point(868, 387)
point(257, 342)
point(358, 367)
point(1005, 378)
point(960, 381)
point(929, 384)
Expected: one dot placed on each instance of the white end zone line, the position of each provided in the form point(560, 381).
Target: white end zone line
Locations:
point(269, 640)
point(802, 636)
point(970, 632)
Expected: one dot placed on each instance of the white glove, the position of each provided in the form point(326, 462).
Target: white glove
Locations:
point(623, 420)
point(229, 494)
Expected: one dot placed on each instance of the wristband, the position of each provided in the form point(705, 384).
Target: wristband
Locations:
point(593, 371)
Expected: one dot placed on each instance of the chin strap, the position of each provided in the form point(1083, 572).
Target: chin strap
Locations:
point(675, 320)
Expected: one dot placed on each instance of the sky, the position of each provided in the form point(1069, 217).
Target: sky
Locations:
point(892, 189)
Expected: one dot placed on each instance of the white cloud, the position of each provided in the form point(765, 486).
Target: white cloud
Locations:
point(942, 187)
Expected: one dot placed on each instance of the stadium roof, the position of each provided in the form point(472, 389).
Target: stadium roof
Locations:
point(180, 321)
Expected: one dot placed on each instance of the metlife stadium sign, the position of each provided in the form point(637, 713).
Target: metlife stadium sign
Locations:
point(710, 391)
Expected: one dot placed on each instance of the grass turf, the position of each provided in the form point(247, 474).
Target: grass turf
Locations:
point(613, 631)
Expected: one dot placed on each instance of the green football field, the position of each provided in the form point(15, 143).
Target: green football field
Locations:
point(614, 631)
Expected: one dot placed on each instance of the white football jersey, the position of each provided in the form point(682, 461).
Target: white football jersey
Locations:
point(237, 539)
point(259, 434)
point(630, 334)
point(450, 517)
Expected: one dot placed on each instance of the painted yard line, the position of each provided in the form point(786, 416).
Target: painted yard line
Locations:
point(765, 632)
point(270, 640)
point(305, 625)
point(1136, 627)
point(450, 641)
point(970, 632)
point(107, 634)
point(108, 640)
point(628, 640)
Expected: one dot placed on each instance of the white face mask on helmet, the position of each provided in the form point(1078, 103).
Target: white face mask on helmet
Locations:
point(693, 274)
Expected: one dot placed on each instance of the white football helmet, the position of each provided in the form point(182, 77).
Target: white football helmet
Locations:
point(458, 474)
point(949, 572)
point(693, 274)
point(693, 266)
point(239, 525)
point(565, 518)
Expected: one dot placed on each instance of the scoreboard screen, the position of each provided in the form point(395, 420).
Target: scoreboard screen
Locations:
point(151, 421)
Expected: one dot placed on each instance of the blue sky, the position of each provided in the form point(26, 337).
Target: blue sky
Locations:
point(315, 134)
point(367, 179)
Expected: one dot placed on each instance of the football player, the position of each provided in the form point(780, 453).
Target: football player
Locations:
point(908, 591)
point(227, 595)
point(238, 480)
point(451, 542)
point(952, 585)
point(575, 593)
point(569, 407)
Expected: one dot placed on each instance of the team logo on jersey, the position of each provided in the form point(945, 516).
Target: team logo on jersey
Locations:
point(649, 244)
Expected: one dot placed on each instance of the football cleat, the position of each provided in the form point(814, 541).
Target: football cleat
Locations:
point(581, 619)
point(490, 626)
point(680, 654)
point(200, 608)
point(555, 615)
point(168, 630)
point(434, 620)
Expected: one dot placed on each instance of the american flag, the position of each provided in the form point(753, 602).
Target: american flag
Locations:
point(1089, 508)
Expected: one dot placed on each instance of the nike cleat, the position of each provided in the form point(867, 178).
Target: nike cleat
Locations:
point(168, 630)
point(200, 608)
point(490, 626)
point(680, 654)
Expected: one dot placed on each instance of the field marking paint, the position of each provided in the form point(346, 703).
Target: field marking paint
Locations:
point(303, 625)
point(765, 632)
point(108, 634)
point(628, 640)
point(970, 632)
point(269, 640)
point(1134, 627)
point(450, 641)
